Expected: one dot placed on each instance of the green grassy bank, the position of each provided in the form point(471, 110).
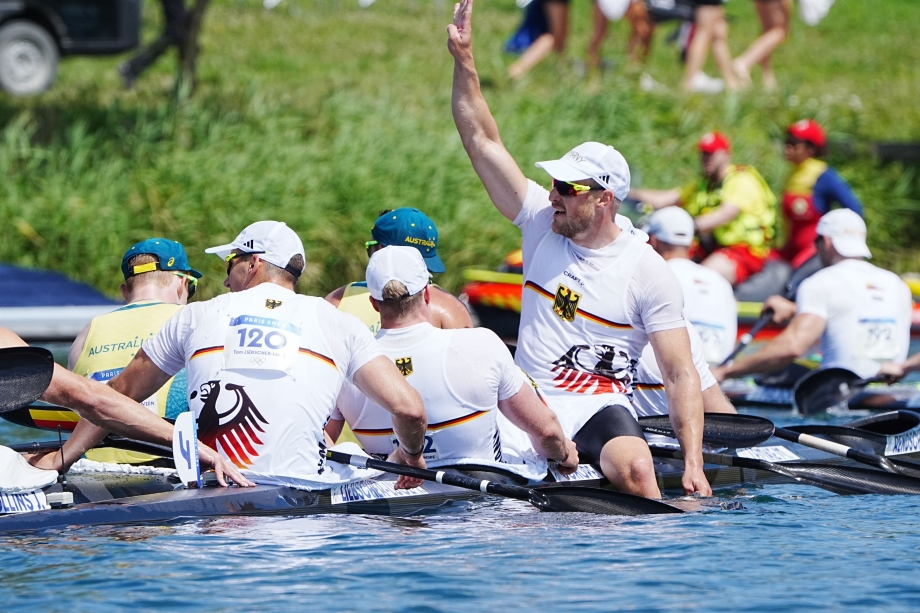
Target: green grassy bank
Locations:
point(321, 114)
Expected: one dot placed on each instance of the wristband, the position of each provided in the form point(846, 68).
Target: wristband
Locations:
point(409, 453)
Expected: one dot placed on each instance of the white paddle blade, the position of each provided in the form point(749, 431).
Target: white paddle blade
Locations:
point(185, 448)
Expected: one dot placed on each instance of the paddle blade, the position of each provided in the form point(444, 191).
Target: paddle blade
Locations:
point(824, 389)
point(571, 498)
point(719, 430)
point(852, 480)
point(25, 374)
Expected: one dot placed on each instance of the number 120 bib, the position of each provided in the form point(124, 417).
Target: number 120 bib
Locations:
point(261, 343)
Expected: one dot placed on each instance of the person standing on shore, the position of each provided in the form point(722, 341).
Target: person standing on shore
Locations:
point(774, 19)
point(594, 292)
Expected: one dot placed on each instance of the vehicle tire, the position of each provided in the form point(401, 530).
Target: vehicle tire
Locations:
point(28, 58)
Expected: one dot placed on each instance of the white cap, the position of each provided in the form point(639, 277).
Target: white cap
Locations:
point(597, 161)
point(403, 264)
point(847, 232)
point(671, 225)
point(272, 240)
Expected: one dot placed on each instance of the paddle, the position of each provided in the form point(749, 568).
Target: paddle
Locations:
point(733, 431)
point(747, 337)
point(889, 465)
point(561, 498)
point(824, 389)
point(837, 479)
point(25, 374)
point(115, 442)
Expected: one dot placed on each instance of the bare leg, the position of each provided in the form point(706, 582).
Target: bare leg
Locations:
point(534, 54)
point(705, 21)
point(714, 401)
point(557, 14)
point(721, 53)
point(627, 463)
point(774, 19)
point(640, 39)
point(597, 39)
point(723, 265)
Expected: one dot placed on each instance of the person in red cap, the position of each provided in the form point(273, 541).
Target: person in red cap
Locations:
point(733, 209)
point(811, 190)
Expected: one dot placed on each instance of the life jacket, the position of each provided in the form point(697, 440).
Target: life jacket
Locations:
point(799, 211)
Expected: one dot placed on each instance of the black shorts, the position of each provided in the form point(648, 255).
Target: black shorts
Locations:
point(607, 424)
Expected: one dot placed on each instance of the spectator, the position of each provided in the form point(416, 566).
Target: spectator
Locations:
point(774, 18)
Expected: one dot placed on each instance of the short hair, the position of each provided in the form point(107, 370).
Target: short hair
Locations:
point(397, 303)
point(276, 273)
point(154, 277)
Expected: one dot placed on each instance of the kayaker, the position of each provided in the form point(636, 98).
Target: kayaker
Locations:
point(733, 211)
point(594, 294)
point(266, 364)
point(158, 282)
point(811, 190)
point(412, 228)
point(462, 375)
point(101, 405)
point(709, 303)
point(861, 313)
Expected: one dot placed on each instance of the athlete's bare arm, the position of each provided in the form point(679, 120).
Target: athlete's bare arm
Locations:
point(334, 428)
point(77, 347)
point(382, 382)
point(714, 401)
point(722, 214)
point(525, 411)
point(335, 297)
point(685, 402)
point(894, 371)
point(499, 173)
point(656, 198)
point(446, 311)
point(799, 335)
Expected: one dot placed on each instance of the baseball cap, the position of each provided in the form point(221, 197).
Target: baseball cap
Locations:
point(274, 241)
point(672, 225)
point(809, 131)
point(597, 161)
point(170, 255)
point(412, 228)
point(714, 141)
point(847, 232)
point(403, 264)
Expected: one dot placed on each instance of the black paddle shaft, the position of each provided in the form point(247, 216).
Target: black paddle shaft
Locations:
point(889, 465)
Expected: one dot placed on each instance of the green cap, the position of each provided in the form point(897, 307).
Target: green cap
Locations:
point(170, 255)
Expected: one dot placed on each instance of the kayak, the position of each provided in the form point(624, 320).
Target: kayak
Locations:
point(756, 393)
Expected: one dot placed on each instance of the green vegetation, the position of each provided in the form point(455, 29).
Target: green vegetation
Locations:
point(321, 114)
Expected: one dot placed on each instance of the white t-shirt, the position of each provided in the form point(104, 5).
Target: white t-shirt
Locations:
point(461, 375)
point(709, 304)
point(265, 366)
point(649, 397)
point(868, 315)
point(586, 313)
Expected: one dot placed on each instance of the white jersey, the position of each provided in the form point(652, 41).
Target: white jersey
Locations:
point(709, 304)
point(460, 375)
point(265, 366)
point(868, 314)
point(586, 313)
point(649, 397)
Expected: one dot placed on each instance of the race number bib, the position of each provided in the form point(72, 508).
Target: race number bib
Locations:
point(261, 343)
point(877, 339)
point(713, 338)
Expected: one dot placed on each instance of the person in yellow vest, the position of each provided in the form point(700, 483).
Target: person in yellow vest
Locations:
point(410, 228)
point(158, 282)
point(733, 208)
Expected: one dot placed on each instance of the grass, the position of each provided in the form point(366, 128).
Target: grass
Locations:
point(321, 114)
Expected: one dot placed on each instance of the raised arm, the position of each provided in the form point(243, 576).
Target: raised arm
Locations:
point(525, 411)
point(685, 402)
point(499, 173)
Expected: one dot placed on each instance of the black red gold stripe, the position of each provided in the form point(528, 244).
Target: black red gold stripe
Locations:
point(455, 422)
point(649, 386)
point(318, 356)
point(368, 432)
point(582, 312)
point(206, 351)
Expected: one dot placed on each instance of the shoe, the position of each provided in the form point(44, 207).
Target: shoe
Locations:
point(702, 83)
point(648, 84)
point(128, 78)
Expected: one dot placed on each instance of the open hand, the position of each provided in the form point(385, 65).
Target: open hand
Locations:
point(460, 32)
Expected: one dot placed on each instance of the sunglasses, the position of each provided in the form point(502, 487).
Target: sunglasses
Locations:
point(369, 245)
point(191, 281)
point(564, 188)
point(233, 256)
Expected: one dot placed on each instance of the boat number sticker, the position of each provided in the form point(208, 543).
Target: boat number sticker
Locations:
point(585, 472)
point(371, 490)
point(770, 453)
point(906, 442)
point(261, 343)
point(25, 502)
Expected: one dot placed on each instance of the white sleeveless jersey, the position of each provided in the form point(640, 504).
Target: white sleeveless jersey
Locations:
point(709, 304)
point(649, 397)
point(265, 366)
point(868, 314)
point(586, 313)
point(460, 375)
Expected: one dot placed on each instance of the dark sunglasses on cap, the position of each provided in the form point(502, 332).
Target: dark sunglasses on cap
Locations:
point(564, 188)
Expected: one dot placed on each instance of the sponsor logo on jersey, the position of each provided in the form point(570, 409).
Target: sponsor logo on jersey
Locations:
point(272, 304)
point(597, 369)
point(235, 431)
point(565, 304)
point(800, 206)
point(404, 365)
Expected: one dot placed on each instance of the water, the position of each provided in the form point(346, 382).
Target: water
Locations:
point(792, 547)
